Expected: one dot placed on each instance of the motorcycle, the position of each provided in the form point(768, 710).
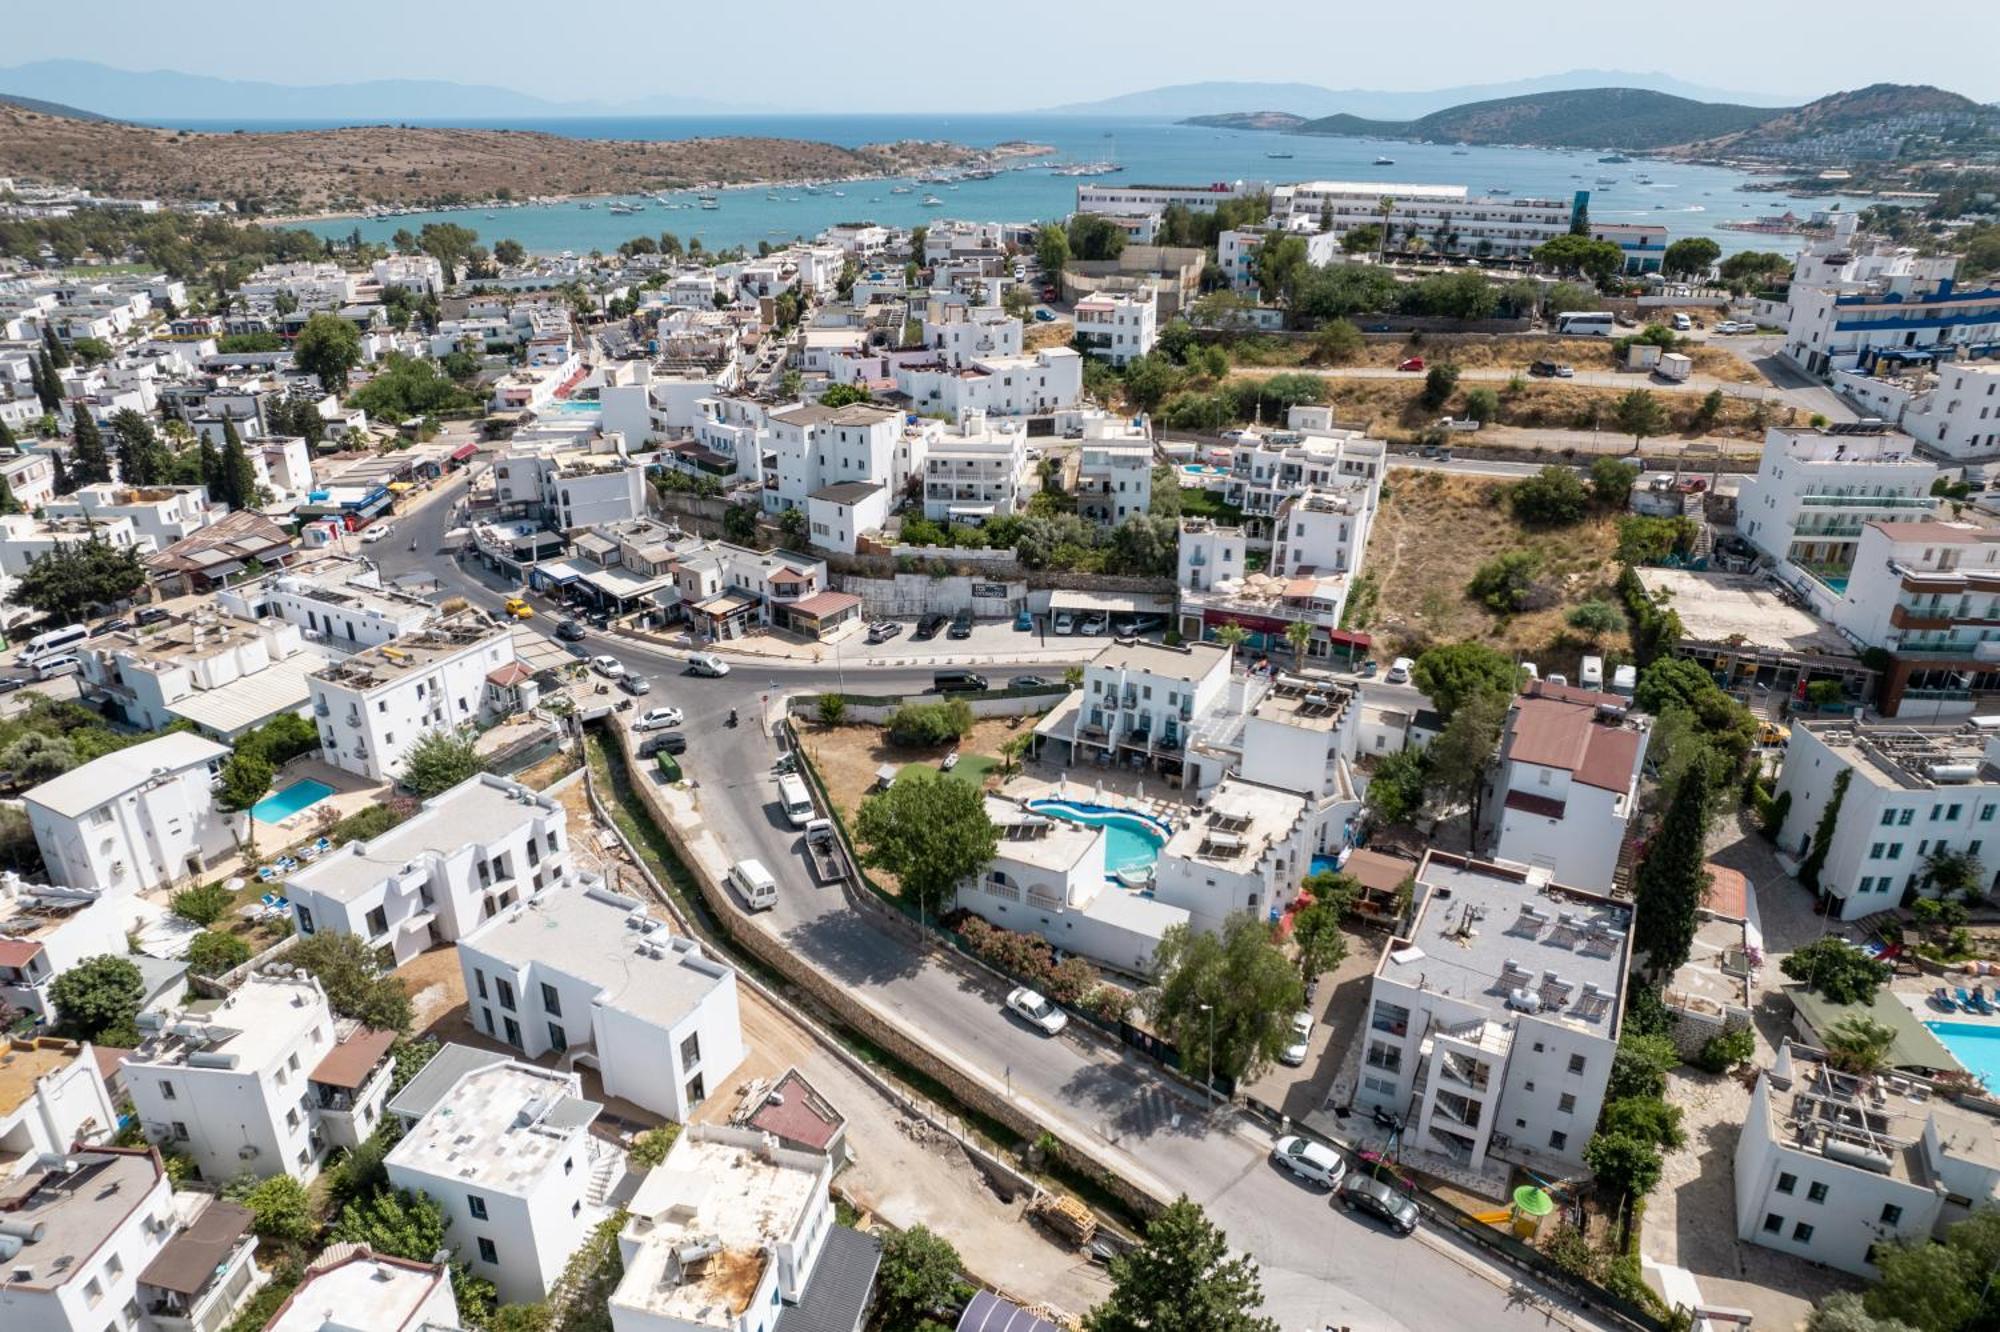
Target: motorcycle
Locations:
point(624, 705)
point(413, 543)
point(732, 717)
point(1384, 1119)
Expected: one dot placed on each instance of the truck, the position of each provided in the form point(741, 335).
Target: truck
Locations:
point(1642, 356)
point(823, 852)
point(1457, 424)
point(1674, 366)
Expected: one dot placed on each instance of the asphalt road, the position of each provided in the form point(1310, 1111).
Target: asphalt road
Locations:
point(1321, 1267)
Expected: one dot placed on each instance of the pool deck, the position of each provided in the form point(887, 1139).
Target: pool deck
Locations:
point(1120, 790)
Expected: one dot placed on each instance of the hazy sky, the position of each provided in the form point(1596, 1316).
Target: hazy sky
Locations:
point(1015, 56)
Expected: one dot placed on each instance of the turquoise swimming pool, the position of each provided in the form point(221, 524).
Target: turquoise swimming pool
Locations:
point(1973, 1044)
point(281, 805)
point(1132, 841)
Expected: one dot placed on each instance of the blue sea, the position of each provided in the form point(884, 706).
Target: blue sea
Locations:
point(1689, 200)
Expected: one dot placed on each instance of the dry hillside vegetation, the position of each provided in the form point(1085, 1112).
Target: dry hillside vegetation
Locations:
point(1435, 529)
point(317, 170)
point(1475, 352)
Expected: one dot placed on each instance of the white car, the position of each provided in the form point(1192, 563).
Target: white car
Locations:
point(658, 719)
point(377, 533)
point(1313, 1162)
point(1294, 1054)
point(707, 663)
point(1039, 1013)
point(1399, 671)
point(607, 666)
point(1094, 626)
point(1735, 326)
point(1064, 623)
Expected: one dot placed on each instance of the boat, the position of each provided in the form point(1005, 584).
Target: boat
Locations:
point(899, 189)
point(932, 201)
point(625, 209)
point(1458, 152)
point(586, 205)
point(1614, 157)
point(842, 194)
point(1385, 161)
point(1607, 180)
point(1279, 157)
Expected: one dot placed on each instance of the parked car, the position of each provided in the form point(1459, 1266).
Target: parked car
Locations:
point(961, 625)
point(570, 631)
point(519, 609)
point(707, 663)
point(1024, 622)
point(1565, 371)
point(883, 630)
point(658, 719)
point(635, 684)
point(1544, 369)
point(1045, 316)
point(1130, 625)
point(929, 625)
point(1412, 363)
point(1030, 682)
point(663, 742)
point(1366, 670)
point(1093, 626)
point(1294, 1053)
point(1364, 1193)
point(958, 682)
point(607, 666)
point(378, 532)
point(1311, 1161)
point(151, 615)
point(1735, 326)
point(1399, 671)
point(1064, 622)
point(1037, 1011)
point(110, 627)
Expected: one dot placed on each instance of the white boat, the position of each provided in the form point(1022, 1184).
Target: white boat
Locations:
point(840, 194)
point(932, 201)
point(1385, 161)
point(899, 189)
point(709, 205)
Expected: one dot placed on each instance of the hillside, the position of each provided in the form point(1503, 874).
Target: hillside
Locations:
point(1876, 121)
point(1251, 120)
point(48, 108)
point(304, 171)
point(1309, 101)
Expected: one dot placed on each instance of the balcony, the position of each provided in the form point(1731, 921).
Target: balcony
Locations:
point(1924, 618)
point(1958, 651)
point(1869, 501)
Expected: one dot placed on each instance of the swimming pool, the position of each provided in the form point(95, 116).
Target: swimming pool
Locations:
point(1973, 1044)
point(1132, 840)
point(1203, 469)
point(281, 805)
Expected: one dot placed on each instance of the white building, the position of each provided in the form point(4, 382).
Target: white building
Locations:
point(1125, 200)
point(734, 1233)
point(351, 1286)
point(1245, 850)
point(53, 1099)
point(25, 538)
point(1236, 250)
point(1120, 326)
point(264, 1082)
point(1827, 1167)
point(160, 515)
point(1566, 784)
point(578, 966)
point(225, 675)
point(1911, 794)
point(373, 706)
point(507, 1153)
point(1496, 1012)
point(339, 602)
point(45, 929)
point(1114, 478)
point(1447, 218)
point(92, 1223)
point(570, 489)
point(963, 334)
point(415, 273)
point(1952, 411)
point(142, 818)
point(812, 447)
point(1816, 487)
point(1269, 465)
point(839, 515)
point(467, 855)
point(976, 471)
point(1030, 384)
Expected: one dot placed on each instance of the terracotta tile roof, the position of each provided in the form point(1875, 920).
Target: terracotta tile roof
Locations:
point(18, 952)
point(1728, 892)
point(824, 604)
point(1561, 733)
point(1377, 872)
point(795, 1113)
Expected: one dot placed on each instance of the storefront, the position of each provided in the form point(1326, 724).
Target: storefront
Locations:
point(727, 615)
point(817, 616)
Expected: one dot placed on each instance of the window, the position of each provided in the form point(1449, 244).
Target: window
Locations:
point(691, 1049)
point(551, 1001)
point(1875, 851)
point(558, 1038)
point(1802, 1232)
point(1773, 1223)
point(506, 991)
point(93, 1291)
point(378, 921)
point(1896, 851)
point(1787, 1183)
point(487, 1253)
point(1904, 819)
point(1888, 818)
point(1892, 1215)
point(180, 1131)
point(513, 1030)
point(1558, 1140)
point(305, 920)
point(1816, 1193)
point(1566, 1104)
point(569, 1164)
point(576, 1207)
point(696, 1090)
point(1576, 1063)
point(475, 1205)
point(479, 981)
point(166, 1090)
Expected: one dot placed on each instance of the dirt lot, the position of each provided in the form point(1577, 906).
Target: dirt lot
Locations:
point(1037, 336)
point(1475, 352)
point(1431, 533)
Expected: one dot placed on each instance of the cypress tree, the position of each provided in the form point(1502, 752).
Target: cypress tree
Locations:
point(58, 354)
point(239, 478)
point(7, 440)
point(91, 462)
point(211, 467)
point(48, 384)
point(8, 504)
point(1671, 879)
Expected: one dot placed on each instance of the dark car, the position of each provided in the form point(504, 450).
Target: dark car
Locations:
point(958, 682)
point(1030, 682)
point(9, 683)
point(1361, 1193)
point(570, 631)
point(663, 742)
point(929, 625)
point(152, 615)
point(110, 627)
point(1545, 369)
point(961, 625)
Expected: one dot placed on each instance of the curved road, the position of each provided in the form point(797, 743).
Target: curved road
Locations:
point(1321, 1267)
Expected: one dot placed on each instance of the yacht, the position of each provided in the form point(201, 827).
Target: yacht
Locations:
point(1614, 157)
point(1279, 157)
point(899, 189)
point(586, 205)
point(709, 201)
point(932, 201)
point(1385, 161)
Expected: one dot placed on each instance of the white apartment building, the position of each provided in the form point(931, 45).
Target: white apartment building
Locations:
point(373, 706)
point(578, 965)
point(415, 273)
point(160, 515)
point(963, 334)
point(570, 489)
point(1566, 783)
point(507, 1153)
point(1816, 487)
point(264, 1082)
point(45, 929)
point(1298, 733)
point(1144, 697)
point(225, 675)
point(812, 447)
point(1911, 793)
point(839, 515)
point(1114, 479)
point(1496, 1014)
point(141, 818)
point(25, 538)
point(724, 590)
point(1447, 218)
point(53, 1099)
point(731, 437)
point(1236, 250)
point(1120, 326)
point(314, 285)
point(1827, 1167)
point(1952, 411)
point(31, 477)
point(350, 1285)
point(339, 602)
point(734, 1233)
point(644, 402)
point(1030, 384)
point(1268, 466)
point(1245, 850)
point(93, 1221)
point(976, 471)
point(467, 855)
point(1127, 200)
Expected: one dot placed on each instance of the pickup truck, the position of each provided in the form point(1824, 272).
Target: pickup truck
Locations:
point(823, 851)
point(1457, 424)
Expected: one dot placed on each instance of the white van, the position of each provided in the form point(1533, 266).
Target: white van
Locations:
point(1682, 324)
point(64, 663)
point(1591, 676)
point(792, 794)
point(52, 642)
point(754, 884)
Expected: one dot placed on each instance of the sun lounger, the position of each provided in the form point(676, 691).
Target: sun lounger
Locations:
point(265, 874)
point(1964, 999)
point(1942, 1000)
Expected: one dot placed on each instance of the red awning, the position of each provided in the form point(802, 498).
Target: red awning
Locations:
point(1350, 638)
point(463, 451)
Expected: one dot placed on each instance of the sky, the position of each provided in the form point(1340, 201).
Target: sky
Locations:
point(811, 54)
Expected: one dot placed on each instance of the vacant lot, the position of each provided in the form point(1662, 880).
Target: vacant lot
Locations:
point(1435, 529)
point(1480, 352)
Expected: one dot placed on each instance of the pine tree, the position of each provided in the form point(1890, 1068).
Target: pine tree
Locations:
point(48, 384)
point(141, 460)
point(58, 354)
point(239, 478)
point(1671, 879)
point(90, 462)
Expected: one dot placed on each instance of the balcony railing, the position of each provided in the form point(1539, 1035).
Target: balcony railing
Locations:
point(1869, 501)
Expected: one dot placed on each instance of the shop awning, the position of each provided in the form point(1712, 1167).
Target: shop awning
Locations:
point(464, 451)
point(1349, 638)
point(400, 486)
point(825, 605)
point(1128, 603)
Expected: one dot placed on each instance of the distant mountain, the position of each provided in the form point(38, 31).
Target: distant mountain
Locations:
point(1868, 122)
point(167, 95)
point(48, 108)
point(1311, 100)
point(1282, 121)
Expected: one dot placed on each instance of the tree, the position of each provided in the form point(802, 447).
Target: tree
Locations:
point(1235, 985)
point(792, 526)
point(280, 1207)
point(1611, 481)
point(1858, 1043)
point(1051, 252)
point(1931, 1287)
point(1844, 1311)
point(1596, 617)
point(1396, 786)
point(1458, 672)
point(1277, 262)
point(203, 904)
point(89, 463)
point(1316, 931)
point(1144, 546)
point(245, 779)
point(1753, 268)
point(1298, 636)
point(509, 253)
point(1594, 259)
point(1458, 757)
point(1232, 636)
point(70, 579)
point(920, 1280)
point(1361, 240)
point(1690, 257)
point(1627, 1164)
point(739, 523)
point(1672, 877)
point(440, 760)
point(213, 952)
point(1710, 411)
point(832, 709)
point(355, 984)
point(1149, 379)
point(1552, 497)
point(97, 1000)
point(1639, 415)
point(1506, 583)
point(8, 504)
point(931, 831)
point(142, 461)
point(1838, 970)
point(1182, 1279)
point(1440, 382)
point(1338, 342)
point(238, 476)
point(1482, 405)
point(929, 724)
point(1092, 237)
point(1644, 1117)
point(328, 347)
point(1953, 873)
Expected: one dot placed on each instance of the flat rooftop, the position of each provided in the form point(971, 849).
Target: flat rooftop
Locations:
point(1187, 664)
point(1237, 825)
point(477, 812)
point(1515, 945)
point(388, 662)
point(259, 1020)
point(1039, 839)
point(1718, 607)
point(1716, 976)
point(502, 1127)
point(581, 929)
point(1312, 705)
point(104, 779)
point(76, 1211)
point(24, 1063)
point(1915, 758)
point(715, 1187)
point(1829, 1108)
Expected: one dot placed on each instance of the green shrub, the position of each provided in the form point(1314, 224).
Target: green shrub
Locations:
point(1721, 1053)
point(930, 723)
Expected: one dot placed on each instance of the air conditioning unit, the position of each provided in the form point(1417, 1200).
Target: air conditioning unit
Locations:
point(247, 1152)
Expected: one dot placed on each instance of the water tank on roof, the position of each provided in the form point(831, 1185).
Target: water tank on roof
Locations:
point(1525, 1001)
point(1954, 772)
point(1854, 1154)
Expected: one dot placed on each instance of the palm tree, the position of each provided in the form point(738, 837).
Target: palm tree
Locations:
point(1012, 751)
point(1231, 636)
point(1385, 206)
point(1298, 633)
point(1858, 1044)
point(1073, 677)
